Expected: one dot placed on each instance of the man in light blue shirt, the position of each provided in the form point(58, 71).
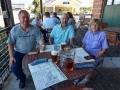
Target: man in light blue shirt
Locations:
point(63, 32)
point(38, 23)
point(49, 22)
point(22, 39)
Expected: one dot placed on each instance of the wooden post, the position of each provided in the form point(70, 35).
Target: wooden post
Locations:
point(7, 12)
point(41, 9)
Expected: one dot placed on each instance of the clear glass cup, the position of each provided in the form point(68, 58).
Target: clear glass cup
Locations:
point(63, 45)
point(67, 60)
point(54, 55)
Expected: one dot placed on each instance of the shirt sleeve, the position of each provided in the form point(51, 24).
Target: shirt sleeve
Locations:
point(72, 32)
point(104, 41)
point(44, 24)
point(39, 35)
point(53, 32)
point(57, 21)
point(34, 22)
point(11, 38)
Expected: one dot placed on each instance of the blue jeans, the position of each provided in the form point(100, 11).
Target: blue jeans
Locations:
point(17, 66)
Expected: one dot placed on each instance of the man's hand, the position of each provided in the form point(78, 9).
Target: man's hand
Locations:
point(12, 60)
point(42, 47)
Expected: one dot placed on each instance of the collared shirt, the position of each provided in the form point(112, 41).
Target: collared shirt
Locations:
point(36, 22)
point(24, 42)
point(57, 21)
point(95, 42)
point(59, 35)
point(49, 23)
point(72, 22)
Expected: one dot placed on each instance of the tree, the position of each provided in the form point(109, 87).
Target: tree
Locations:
point(36, 4)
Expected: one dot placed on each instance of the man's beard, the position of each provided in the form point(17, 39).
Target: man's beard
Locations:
point(64, 25)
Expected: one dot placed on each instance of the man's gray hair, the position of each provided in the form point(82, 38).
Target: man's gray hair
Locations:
point(22, 11)
point(65, 14)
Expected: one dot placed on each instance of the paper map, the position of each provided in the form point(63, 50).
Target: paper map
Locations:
point(46, 74)
point(80, 53)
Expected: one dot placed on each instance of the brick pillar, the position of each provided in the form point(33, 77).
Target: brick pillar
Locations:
point(97, 8)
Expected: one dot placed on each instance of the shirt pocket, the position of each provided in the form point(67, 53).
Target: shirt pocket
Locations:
point(58, 35)
point(88, 42)
point(96, 44)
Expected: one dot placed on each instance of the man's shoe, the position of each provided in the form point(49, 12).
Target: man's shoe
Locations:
point(22, 84)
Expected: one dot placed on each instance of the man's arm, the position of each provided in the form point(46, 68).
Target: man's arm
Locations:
point(11, 49)
point(71, 41)
point(42, 44)
point(50, 40)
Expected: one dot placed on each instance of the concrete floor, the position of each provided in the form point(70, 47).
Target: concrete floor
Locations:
point(12, 83)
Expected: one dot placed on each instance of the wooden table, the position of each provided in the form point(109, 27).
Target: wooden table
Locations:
point(75, 74)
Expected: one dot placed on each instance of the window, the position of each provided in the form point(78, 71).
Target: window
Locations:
point(1, 19)
point(116, 2)
point(109, 2)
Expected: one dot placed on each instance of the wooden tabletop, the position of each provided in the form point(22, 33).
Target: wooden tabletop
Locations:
point(75, 74)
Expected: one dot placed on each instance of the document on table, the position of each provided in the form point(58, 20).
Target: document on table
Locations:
point(46, 74)
point(50, 48)
point(79, 59)
point(80, 53)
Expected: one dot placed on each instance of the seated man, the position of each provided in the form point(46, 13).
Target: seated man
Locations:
point(49, 22)
point(38, 23)
point(62, 32)
point(95, 43)
point(54, 14)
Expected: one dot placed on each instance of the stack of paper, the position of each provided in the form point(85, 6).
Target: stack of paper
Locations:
point(50, 48)
point(46, 74)
point(31, 53)
point(80, 53)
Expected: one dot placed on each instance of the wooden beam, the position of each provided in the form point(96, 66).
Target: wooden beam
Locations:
point(7, 12)
point(41, 8)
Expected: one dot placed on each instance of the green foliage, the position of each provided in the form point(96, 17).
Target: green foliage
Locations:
point(44, 9)
point(36, 4)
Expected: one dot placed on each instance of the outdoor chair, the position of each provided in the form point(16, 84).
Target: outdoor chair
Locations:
point(80, 34)
point(113, 40)
point(104, 26)
point(81, 18)
point(48, 31)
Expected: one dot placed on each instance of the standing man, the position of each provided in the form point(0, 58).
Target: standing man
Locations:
point(22, 39)
point(62, 32)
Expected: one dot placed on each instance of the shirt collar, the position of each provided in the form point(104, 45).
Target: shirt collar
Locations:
point(95, 32)
point(64, 28)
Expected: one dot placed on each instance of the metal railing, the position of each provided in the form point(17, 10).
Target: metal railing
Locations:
point(4, 56)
